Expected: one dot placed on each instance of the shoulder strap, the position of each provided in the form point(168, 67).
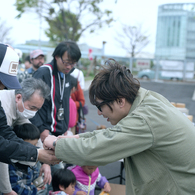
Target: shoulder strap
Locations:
point(52, 94)
point(80, 111)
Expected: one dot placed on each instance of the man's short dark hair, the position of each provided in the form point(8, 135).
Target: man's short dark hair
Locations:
point(63, 177)
point(114, 81)
point(72, 49)
point(73, 82)
point(27, 59)
point(27, 131)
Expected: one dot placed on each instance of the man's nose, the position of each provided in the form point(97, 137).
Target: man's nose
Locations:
point(99, 112)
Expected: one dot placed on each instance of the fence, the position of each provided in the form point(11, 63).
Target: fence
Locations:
point(159, 69)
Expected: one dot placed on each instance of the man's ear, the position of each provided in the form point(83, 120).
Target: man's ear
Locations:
point(121, 102)
point(61, 187)
point(18, 97)
point(56, 57)
point(2, 86)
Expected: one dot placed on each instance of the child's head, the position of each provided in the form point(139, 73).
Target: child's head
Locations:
point(64, 180)
point(89, 169)
point(28, 132)
point(73, 83)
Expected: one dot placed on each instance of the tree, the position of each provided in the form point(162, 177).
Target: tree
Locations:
point(58, 32)
point(68, 19)
point(4, 32)
point(133, 39)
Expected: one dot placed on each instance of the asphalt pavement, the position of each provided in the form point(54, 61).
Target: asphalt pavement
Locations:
point(178, 92)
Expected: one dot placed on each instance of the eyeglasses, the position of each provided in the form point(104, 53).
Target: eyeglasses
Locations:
point(101, 104)
point(67, 63)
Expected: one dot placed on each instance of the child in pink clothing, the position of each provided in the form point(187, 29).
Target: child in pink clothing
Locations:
point(86, 179)
point(72, 113)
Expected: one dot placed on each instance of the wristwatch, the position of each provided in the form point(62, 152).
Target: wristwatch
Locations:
point(54, 143)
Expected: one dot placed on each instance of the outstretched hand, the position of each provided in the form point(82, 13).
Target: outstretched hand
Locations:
point(46, 169)
point(47, 156)
point(107, 187)
point(49, 140)
point(68, 136)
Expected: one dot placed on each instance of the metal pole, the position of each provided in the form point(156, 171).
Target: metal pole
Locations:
point(157, 69)
point(103, 50)
point(40, 24)
point(184, 70)
point(131, 64)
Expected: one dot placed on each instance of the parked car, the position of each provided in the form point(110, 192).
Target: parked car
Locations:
point(168, 70)
point(149, 74)
point(146, 74)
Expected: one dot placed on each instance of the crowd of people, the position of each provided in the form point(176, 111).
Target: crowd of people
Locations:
point(14, 151)
point(39, 112)
point(37, 99)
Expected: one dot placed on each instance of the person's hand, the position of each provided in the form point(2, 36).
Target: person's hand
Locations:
point(10, 193)
point(81, 193)
point(65, 134)
point(42, 188)
point(44, 134)
point(107, 187)
point(68, 136)
point(46, 169)
point(47, 156)
point(48, 142)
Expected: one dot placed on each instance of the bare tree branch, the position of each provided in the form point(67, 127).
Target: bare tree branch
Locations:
point(133, 39)
point(4, 32)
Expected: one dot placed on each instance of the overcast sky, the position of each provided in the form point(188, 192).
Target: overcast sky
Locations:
point(129, 12)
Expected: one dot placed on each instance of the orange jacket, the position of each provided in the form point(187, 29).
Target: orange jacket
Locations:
point(78, 96)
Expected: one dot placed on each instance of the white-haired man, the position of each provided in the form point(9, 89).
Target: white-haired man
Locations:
point(14, 150)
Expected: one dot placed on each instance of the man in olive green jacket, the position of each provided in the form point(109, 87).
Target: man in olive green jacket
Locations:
point(155, 139)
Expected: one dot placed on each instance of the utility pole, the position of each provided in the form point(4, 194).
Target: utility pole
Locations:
point(103, 50)
point(40, 22)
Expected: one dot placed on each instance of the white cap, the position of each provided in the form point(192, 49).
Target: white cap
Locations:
point(9, 67)
point(36, 53)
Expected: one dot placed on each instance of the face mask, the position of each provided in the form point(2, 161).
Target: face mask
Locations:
point(26, 113)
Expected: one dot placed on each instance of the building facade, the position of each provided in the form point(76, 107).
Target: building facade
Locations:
point(175, 38)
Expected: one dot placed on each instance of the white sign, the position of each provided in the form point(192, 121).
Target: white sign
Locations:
point(143, 64)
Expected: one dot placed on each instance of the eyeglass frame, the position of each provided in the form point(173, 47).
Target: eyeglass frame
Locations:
point(68, 63)
point(103, 103)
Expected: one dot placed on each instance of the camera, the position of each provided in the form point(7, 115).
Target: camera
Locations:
point(39, 182)
point(61, 114)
